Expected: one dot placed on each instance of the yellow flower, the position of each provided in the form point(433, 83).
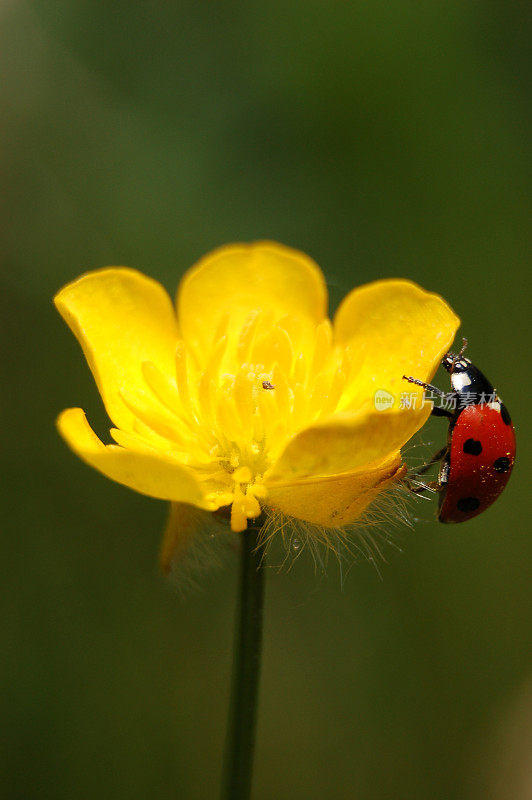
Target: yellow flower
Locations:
point(249, 397)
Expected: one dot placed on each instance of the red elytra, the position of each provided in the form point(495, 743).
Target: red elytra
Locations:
point(481, 456)
point(476, 463)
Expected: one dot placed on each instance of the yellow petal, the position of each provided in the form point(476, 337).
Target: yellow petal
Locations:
point(347, 441)
point(243, 278)
point(337, 500)
point(393, 327)
point(121, 318)
point(157, 474)
point(183, 522)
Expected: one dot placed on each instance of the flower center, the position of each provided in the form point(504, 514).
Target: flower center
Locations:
point(230, 415)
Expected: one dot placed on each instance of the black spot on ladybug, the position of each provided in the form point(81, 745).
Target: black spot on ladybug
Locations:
point(506, 418)
point(468, 504)
point(502, 464)
point(473, 447)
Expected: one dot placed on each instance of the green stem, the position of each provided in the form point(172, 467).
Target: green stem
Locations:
point(239, 746)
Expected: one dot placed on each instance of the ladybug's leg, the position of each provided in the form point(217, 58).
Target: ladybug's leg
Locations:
point(416, 487)
point(425, 385)
point(433, 486)
point(437, 411)
point(434, 460)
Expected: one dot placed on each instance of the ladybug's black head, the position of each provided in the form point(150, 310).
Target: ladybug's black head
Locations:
point(466, 378)
point(455, 362)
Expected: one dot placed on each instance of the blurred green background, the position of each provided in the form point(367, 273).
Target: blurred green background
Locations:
point(384, 139)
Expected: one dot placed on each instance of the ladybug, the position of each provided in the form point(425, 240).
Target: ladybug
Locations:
point(476, 462)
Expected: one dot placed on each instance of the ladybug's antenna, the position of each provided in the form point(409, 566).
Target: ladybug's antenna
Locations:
point(459, 355)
